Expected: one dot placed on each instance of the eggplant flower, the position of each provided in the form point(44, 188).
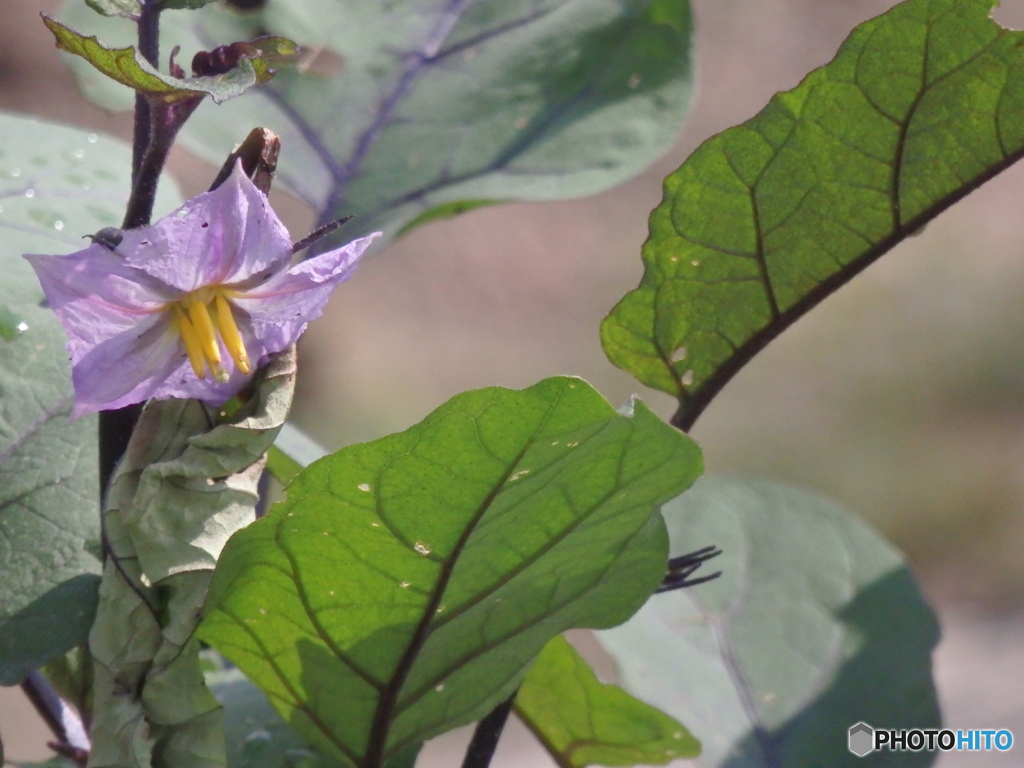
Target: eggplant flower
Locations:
point(190, 306)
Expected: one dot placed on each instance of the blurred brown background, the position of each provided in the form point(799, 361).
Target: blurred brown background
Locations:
point(902, 396)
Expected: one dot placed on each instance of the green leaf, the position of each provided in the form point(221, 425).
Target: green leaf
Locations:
point(404, 585)
point(188, 5)
point(920, 106)
point(127, 67)
point(56, 184)
point(439, 103)
point(445, 211)
point(256, 735)
point(582, 721)
point(292, 451)
point(814, 625)
point(127, 9)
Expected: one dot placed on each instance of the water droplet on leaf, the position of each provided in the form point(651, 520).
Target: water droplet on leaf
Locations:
point(423, 549)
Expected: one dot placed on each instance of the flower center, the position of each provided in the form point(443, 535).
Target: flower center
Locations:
point(198, 317)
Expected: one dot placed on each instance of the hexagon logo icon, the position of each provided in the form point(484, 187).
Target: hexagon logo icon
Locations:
point(862, 739)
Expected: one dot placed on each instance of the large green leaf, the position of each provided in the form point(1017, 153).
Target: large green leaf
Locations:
point(56, 184)
point(814, 625)
point(582, 721)
point(920, 106)
point(404, 585)
point(443, 101)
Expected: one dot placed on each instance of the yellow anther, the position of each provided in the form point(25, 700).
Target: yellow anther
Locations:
point(193, 347)
point(203, 324)
point(229, 332)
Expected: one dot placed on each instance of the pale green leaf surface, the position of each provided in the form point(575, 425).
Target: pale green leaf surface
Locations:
point(438, 102)
point(56, 184)
point(256, 735)
point(582, 721)
point(814, 625)
point(403, 586)
point(188, 480)
point(919, 107)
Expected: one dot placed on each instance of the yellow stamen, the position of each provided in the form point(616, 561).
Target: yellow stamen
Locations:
point(193, 347)
point(229, 332)
point(203, 324)
point(200, 317)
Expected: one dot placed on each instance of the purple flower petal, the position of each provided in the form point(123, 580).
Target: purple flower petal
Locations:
point(96, 296)
point(218, 237)
point(280, 309)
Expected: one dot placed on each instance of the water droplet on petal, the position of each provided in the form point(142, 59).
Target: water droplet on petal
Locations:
point(86, 185)
point(1, 209)
point(687, 379)
point(30, 192)
point(58, 225)
point(364, 487)
point(181, 214)
point(22, 326)
point(15, 173)
point(92, 138)
point(423, 549)
point(79, 153)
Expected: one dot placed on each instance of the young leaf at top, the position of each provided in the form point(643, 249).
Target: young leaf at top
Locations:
point(251, 66)
point(404, 585)
point(814, 625)
point(920, 106)
point(127, 9)
point(448, 101)
point(582, 721)
point(56, 184)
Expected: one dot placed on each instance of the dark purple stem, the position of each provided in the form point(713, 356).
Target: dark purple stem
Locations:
point(149, 47)
point(485, 737)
